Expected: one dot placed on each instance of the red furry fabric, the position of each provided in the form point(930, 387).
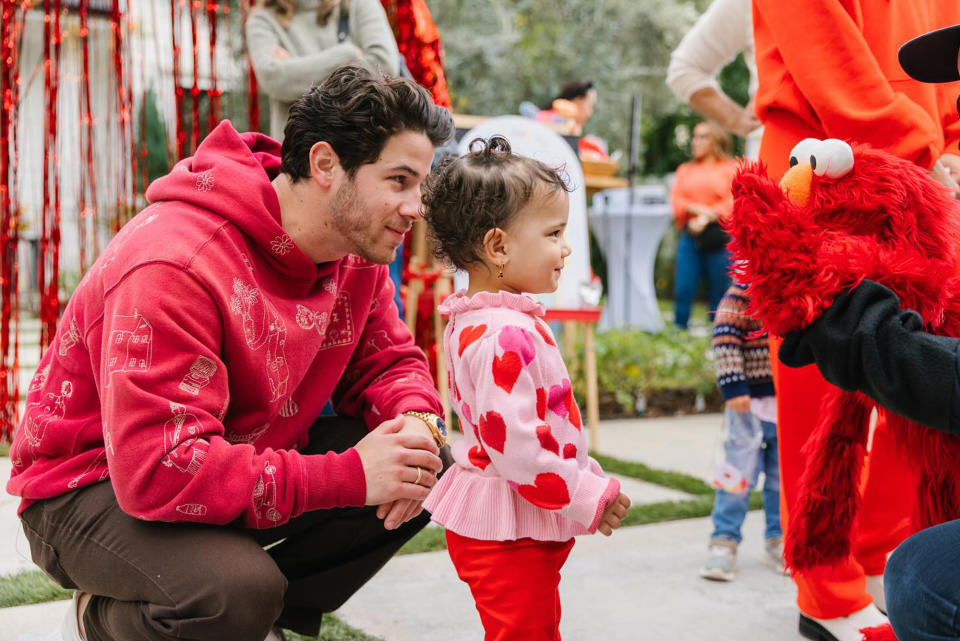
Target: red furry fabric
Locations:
point(886, 220)
point(878, 633)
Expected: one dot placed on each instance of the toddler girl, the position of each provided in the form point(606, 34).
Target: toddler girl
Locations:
point(522, 485)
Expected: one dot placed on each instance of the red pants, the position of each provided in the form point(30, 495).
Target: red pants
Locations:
point(515, 585)
point(887, 492)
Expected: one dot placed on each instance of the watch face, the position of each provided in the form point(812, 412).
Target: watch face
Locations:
point(441, 427)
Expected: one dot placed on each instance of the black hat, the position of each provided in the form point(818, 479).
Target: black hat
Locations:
point(932, 57)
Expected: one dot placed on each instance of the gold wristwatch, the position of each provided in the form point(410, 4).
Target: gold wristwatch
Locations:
point(434, 423)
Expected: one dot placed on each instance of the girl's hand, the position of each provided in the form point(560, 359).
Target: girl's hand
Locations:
point(739, 403)
point(614, 514)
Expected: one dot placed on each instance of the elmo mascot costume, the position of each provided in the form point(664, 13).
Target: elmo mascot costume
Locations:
point(841, 215)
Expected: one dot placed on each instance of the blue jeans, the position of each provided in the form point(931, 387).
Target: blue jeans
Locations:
point(922, 585)
point(729, 509)
point(691, 266)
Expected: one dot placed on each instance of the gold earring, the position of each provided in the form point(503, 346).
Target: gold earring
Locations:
point(500, 275)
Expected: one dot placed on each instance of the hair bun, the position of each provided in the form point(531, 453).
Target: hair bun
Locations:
point(493, 145)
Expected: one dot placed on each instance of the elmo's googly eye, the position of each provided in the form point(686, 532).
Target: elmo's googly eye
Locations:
point(832, 158)
point(803, 150)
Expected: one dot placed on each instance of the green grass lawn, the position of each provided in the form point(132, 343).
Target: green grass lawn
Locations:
point(32, 587)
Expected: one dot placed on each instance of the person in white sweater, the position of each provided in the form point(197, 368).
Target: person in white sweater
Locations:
point(724, 30)
point(295, 44)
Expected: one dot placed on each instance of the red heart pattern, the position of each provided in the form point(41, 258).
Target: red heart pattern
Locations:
point(569, 451)
point(468, 335)
point(478, 456)
point(547, 441)
point(548, 491)
point(519, 340)
point(545, 334)
point(506, 370)
point(575, 413)
point(559, 398)
point(542, 403)
point(493, 431)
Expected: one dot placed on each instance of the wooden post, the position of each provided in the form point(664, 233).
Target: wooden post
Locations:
point(593, 396)
point(440, 290)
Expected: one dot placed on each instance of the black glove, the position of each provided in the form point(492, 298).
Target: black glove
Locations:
point(864, 342)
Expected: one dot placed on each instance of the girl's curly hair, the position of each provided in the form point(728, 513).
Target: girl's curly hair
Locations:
point(465, 197)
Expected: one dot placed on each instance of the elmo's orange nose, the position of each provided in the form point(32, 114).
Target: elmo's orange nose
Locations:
point(796, 182)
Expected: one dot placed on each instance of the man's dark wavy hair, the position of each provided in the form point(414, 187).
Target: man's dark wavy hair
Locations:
point(356, 111)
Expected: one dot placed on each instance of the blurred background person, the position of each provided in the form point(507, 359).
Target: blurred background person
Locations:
point(701, 197)
point(294, 44)
point(722, 32)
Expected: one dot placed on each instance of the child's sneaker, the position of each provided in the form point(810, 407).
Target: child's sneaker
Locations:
point(773, 554)
point(722, 562)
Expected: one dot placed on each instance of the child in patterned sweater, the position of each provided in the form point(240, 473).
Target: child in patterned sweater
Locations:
point(522, 485)
point(742, 360)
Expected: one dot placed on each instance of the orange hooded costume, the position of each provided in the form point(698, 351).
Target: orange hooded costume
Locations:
point(829, 69)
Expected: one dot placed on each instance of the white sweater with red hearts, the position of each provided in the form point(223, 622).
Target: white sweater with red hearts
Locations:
point(521, 468)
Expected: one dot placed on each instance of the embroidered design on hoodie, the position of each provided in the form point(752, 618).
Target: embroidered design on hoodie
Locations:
point(39, 379)
point(205, 181)
point(192, 509)
point(199, 375)
point(340, 330)
point(131, 345)
point(378, 342)
point(289, 408)
point(309, 319)
point(69, 339)
point(183, 447)
point(248, 437)
point(94, 464)
point(265, 495)
point(281, 245)
point(51, 408)
point(263, 328)
point(329, 285)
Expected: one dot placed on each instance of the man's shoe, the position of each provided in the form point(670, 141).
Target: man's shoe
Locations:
point(721, 565)
point(842, 628)
point(70, 629)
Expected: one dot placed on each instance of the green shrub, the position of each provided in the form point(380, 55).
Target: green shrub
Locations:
point(632, 364)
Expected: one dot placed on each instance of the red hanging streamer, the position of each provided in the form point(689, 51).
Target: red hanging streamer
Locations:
point(253, 91)
point(419, 41)
point(10, 30)
point(213, 93)
point(195, 89)
point(48, 271)
point(175, 6)
point(88, 177)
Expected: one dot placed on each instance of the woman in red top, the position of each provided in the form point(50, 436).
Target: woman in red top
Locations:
point(701, 197)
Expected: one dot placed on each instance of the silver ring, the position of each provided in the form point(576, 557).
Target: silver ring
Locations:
point(419, 474)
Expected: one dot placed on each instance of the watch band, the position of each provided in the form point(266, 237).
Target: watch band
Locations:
point(429, 418)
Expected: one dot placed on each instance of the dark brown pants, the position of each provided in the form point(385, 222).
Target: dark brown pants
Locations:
point(163, 581)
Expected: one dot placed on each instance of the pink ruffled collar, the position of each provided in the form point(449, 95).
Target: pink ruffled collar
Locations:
point(459, 302)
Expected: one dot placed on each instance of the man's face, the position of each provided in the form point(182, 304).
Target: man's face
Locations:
point(375, 209)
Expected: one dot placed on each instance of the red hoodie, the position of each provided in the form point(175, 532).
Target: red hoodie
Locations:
point(196, 353)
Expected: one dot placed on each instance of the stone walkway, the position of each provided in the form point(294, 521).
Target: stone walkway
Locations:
point(639, 584)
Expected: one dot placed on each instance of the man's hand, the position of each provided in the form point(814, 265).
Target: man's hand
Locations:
point(390, 455)
point(396, 513)
point(614, 514)
point(739, 403)
point(943, 172)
